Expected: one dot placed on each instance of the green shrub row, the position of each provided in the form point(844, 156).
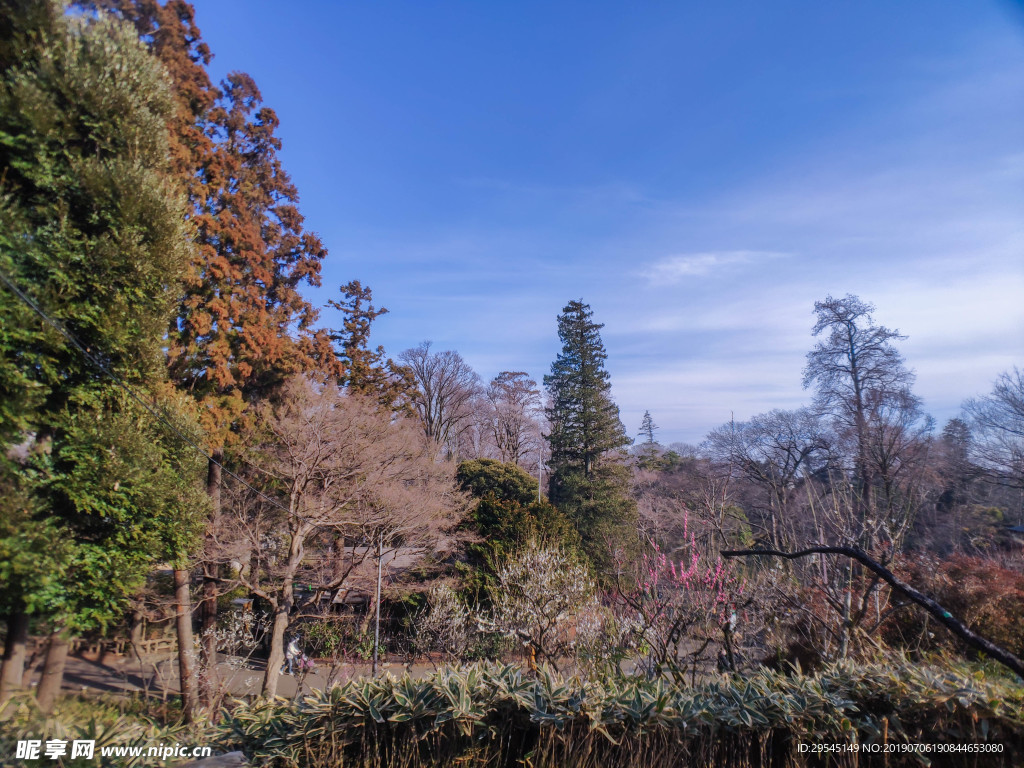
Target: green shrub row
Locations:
point(498, 716)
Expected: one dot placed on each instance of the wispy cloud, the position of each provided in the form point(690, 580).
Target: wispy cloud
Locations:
point(673, 269)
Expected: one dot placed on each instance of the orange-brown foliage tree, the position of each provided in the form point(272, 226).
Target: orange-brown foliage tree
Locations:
point(242, 326)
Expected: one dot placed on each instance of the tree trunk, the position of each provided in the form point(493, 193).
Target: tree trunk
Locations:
point(14, 655)
point(53, 672)
point(183, 625)
point(282, 611)
point(31, 664)
point(276, 656)
point(364, 624)
point(138, 627)
point(208, 606)
point(846, 625)
point(208, 636)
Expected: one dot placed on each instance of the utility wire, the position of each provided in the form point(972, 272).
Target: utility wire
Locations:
point(59, 327)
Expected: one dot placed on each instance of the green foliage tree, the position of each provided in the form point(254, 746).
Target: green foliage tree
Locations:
point(489, 478)
point(589, 481)
point(124, 494)
point(92, 235)
point(506, 515)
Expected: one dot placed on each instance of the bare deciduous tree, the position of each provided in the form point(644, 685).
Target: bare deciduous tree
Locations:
point(940, 614)
point(446, 388)
point(997, 428)
point(775, 452)
point(515, 402)
point(342, 470)
point(862, 383)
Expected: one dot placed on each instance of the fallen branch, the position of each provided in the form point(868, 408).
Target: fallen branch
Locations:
point(944, 617)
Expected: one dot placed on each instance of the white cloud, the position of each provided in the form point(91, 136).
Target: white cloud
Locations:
point(672, 269)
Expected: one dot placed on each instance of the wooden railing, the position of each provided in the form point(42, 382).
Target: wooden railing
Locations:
point(123, 647)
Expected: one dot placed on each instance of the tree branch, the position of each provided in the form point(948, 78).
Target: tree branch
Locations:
point(944, 617)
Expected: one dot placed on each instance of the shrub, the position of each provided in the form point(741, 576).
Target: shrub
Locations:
point(987, 597)
point(444, 626)
point(109, 721)
point(498, 715)
point(327, 637)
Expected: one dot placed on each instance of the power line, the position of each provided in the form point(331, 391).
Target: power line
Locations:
point(59, 327)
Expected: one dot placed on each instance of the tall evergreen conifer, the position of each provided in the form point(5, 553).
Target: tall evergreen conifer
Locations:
point(92, 232)
point(649, 447)
point(648, 428)
point(589, 481)
point(367, 371)
point(242, 326)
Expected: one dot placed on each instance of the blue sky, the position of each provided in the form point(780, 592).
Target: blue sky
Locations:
point(699, 173)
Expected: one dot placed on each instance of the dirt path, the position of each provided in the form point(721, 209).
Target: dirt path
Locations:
point(159, 676)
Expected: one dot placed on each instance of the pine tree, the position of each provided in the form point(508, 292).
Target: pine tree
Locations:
point(648, 428)
point(649, 447)
point(368, 372)
point(588, 481)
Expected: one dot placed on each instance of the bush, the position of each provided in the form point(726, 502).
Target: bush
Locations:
point(327, 637)
point(987, 597)
point(338, 639)
point(110, 721)
point(445, 626)
point(498, 715)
